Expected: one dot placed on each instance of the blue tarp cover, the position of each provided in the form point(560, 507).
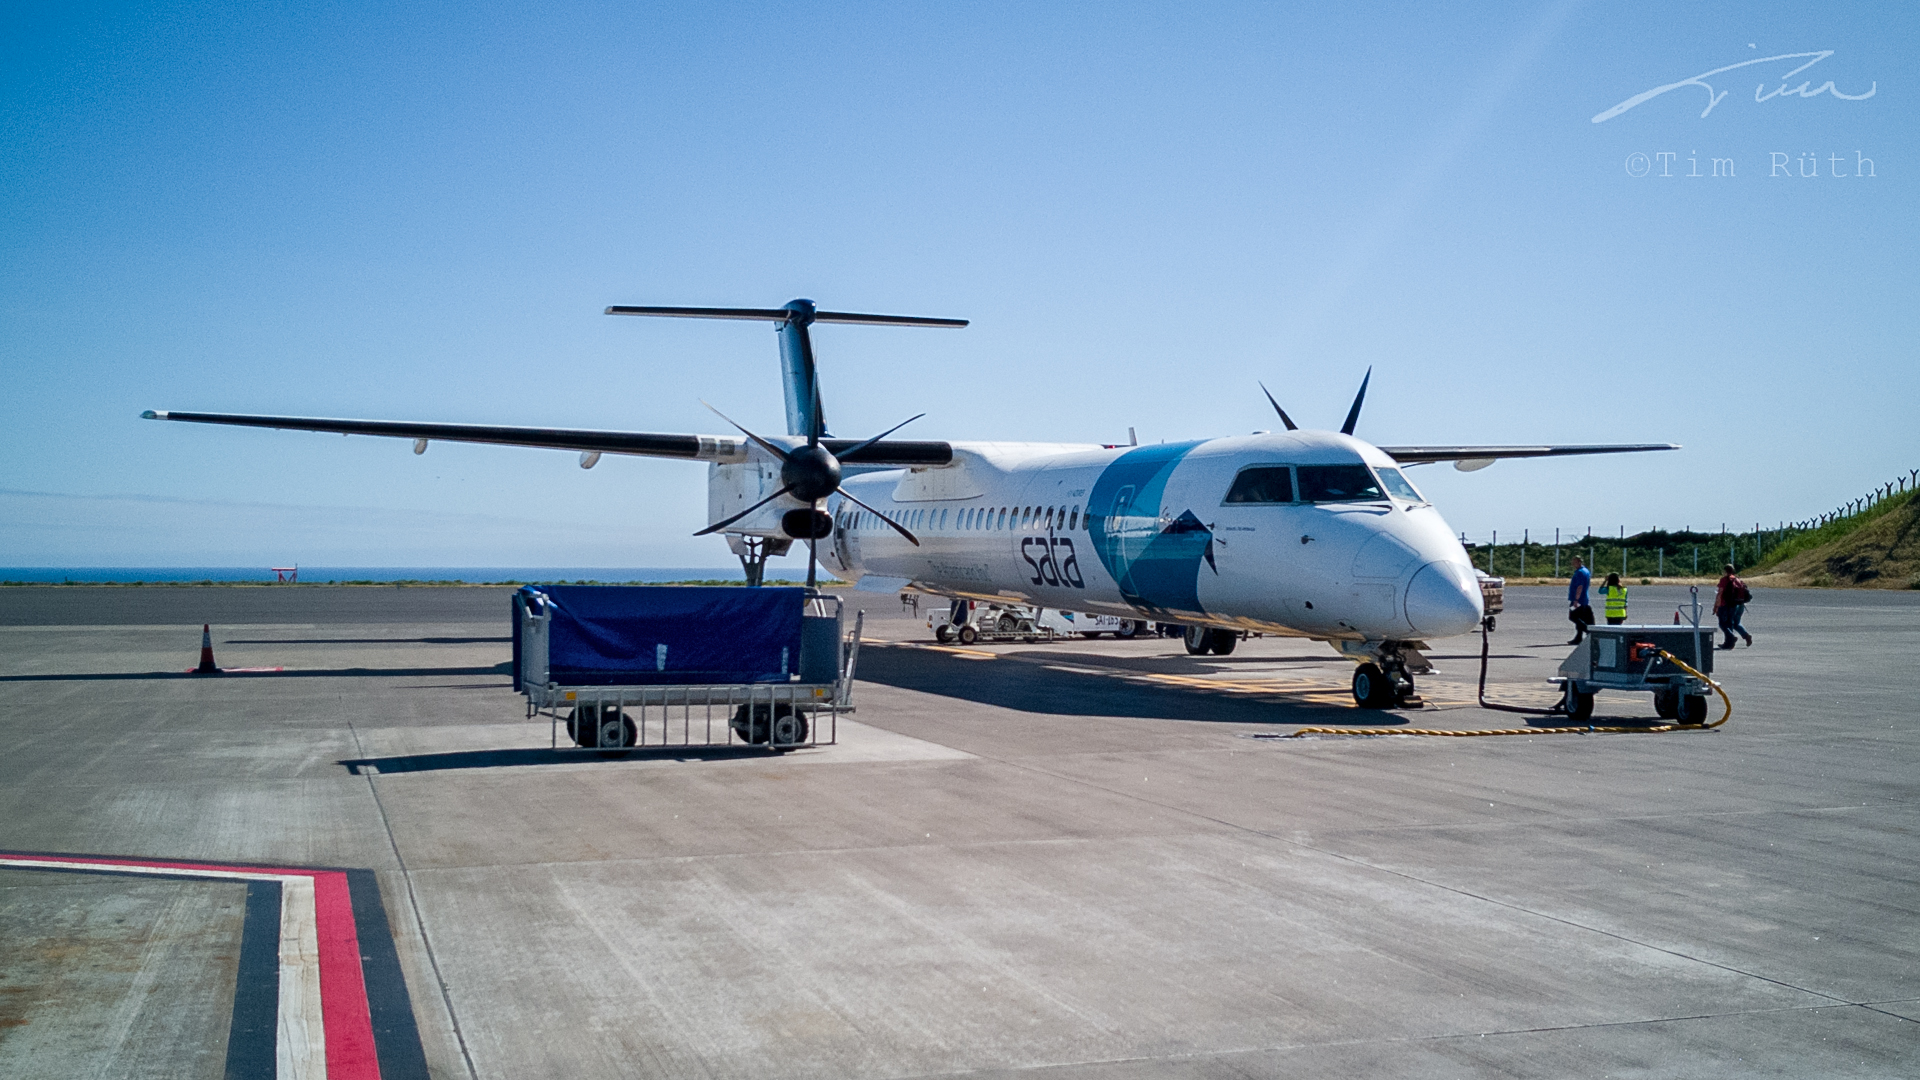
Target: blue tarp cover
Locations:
point(612, 635)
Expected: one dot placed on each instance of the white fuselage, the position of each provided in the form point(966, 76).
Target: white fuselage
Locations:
point(1149, 531)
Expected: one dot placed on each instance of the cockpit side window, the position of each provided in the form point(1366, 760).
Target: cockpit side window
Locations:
point(1397, 485)
point(1339, 483)
point(1262, 484)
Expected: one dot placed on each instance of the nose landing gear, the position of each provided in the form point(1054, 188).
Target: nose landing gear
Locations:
point(1386, 680)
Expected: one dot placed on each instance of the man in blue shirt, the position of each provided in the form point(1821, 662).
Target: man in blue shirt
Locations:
point(1578, 609)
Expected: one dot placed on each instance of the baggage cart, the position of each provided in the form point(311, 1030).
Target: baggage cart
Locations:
point(621, 667)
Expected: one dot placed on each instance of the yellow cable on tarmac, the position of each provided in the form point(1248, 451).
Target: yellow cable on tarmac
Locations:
point(1589, 729)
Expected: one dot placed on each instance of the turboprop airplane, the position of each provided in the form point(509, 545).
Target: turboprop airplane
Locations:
point(1313, 534)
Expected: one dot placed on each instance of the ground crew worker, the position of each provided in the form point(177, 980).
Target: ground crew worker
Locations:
point(1616, 598)
point(1730, 605)
point(1579, 610)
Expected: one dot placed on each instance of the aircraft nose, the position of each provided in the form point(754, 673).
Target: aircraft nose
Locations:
point(1443, 599)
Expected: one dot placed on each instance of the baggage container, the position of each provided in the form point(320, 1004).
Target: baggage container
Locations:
point(626, 666)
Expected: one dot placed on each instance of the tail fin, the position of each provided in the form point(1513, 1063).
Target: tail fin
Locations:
point(796, 348)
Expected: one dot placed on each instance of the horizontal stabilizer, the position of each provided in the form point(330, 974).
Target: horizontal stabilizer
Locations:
point(1421, 455)
point(783, 315)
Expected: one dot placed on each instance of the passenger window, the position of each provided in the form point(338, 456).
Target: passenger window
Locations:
point(1262, 484)
point(1073, 521)
point(1338, 483)
point(1049, 517)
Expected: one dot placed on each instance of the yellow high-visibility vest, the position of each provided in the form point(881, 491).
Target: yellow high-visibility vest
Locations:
point(1616, 601)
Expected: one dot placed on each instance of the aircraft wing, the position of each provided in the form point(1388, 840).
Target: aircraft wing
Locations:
point(715, 448)
point(1469, 458)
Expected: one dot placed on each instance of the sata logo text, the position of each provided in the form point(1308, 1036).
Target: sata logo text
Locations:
point(1042, 554)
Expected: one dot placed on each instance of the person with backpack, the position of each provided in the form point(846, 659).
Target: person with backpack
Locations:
point(1579, 611)
point(1730, 603)
point(1615, 595)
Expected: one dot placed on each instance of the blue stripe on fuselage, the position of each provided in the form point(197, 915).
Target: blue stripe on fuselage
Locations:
point(1156, 569)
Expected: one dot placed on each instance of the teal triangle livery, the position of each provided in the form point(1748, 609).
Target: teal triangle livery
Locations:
point(1299, 532)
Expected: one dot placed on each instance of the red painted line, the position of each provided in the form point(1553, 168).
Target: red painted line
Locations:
point(343, 989)
point(348, 1023)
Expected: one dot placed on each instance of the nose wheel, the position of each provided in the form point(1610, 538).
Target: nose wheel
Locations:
point(1375, 687)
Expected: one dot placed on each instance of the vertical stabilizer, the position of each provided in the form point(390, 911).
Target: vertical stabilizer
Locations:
point(798, 374)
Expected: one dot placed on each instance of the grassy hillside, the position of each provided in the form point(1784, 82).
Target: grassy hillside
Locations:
point(1877, 548)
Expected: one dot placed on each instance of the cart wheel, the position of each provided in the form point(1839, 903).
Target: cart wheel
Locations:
point(790, 729)
point(610, 729)
point(751, 722)
point(943, 633)
point(1127, 629)
point(1693, 709)
point(1667, 703)
point(1008, 624)
point(1199, 640)
point(1579, 705)
point(1225, 641)
point(1371, 687)
point(1031, 638)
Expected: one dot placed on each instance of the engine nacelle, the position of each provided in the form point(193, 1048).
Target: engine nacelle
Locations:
point(732, 488)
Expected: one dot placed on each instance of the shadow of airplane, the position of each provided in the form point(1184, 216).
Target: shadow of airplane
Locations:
point(370, 641)
point(503, 668)
point(1037, 688)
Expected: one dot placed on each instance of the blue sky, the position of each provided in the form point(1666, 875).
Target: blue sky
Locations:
point(419, 213)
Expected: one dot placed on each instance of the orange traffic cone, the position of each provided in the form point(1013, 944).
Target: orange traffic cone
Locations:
point(206, 652)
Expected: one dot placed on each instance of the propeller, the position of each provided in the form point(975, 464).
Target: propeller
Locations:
point(1284, 418)
point(810, 473)
point(1353, 414)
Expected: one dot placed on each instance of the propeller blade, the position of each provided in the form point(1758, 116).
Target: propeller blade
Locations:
point(849, 452)
point(815, 422)
point(897, 527)
point(718, 525)
point(813, 560)
point(1284, 418)
point(1353, 414)
point(771, 448)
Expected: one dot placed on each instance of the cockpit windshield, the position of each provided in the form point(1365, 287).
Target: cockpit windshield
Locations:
point(1339, 483)
point(1398, 486)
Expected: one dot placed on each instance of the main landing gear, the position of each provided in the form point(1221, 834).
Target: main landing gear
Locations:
point(1202, 640)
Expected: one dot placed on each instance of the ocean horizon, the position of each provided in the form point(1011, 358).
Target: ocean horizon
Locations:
point(323, 575)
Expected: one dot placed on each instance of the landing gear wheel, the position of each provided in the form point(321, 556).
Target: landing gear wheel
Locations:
point(1667, 703)
point(601, 727)
point(943, 633)
point(968, 635)
point(751, 723)
point(1225, 641)
point(1693, 709)
point(1579, 705)
point(1199, 640)
point(1371, 687)
point(1128, 628)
